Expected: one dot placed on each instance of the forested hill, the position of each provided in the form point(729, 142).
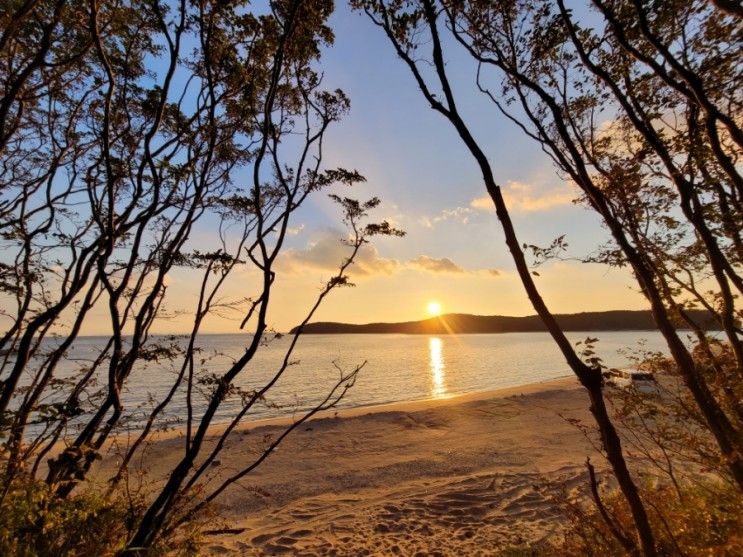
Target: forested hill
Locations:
point(461, 323)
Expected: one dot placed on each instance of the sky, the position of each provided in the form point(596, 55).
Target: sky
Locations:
point(453, 252)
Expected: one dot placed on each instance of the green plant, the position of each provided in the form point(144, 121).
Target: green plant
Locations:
point(34, 522)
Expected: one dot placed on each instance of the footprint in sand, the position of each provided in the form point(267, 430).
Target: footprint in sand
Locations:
point(258, 540)
point(286, 540)
point(276, 549)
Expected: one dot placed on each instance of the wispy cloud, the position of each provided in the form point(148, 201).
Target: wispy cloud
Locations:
point(295, 230)
point(483, 203)
point(527, 198)
point(458, 214)
point(445, 265)
point(326, 251)
point(435, 265)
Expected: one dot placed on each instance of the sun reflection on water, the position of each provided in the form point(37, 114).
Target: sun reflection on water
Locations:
point(438, 386)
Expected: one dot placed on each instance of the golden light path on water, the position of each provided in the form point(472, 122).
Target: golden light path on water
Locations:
point(438, 383)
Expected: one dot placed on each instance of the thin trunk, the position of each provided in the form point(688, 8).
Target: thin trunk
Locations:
point(590, 378)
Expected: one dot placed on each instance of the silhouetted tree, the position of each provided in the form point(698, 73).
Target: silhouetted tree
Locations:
point(639, 111)
point(123, 125)
point(641, 116)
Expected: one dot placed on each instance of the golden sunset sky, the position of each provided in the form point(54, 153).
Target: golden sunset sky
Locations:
point(430, 187)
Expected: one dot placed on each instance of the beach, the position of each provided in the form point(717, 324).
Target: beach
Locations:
point(447, 476)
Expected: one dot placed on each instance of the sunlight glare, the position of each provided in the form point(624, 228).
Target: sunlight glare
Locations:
point(438, 387)
point(434, 308)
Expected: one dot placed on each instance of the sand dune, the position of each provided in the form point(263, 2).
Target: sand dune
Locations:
point(447, 477)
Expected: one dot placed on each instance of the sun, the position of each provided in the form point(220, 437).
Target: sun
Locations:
point(434, 308)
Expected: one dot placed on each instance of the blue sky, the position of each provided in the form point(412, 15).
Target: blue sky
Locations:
point(431, 187)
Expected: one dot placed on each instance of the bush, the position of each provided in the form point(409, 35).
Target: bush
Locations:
point(706, 519)
point(34, 522)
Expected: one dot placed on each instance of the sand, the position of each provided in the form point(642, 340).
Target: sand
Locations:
point(441, 477)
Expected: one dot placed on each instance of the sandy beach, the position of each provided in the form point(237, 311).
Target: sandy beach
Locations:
point(441, 477)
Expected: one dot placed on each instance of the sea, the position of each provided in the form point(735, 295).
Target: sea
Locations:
point(394, 368)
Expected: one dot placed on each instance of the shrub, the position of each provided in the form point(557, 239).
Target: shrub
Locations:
point(34, 522)
point(706, 518)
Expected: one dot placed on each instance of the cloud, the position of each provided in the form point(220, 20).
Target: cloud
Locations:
point(445, 265)
point(459, 214)
point(526, 198)
point(326, 252)
point(435, 265)
point(483, 203)
point(294, 230)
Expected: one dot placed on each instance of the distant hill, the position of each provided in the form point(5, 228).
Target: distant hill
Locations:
point(461, 323)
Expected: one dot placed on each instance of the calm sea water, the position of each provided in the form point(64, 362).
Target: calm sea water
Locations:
point(398, 368)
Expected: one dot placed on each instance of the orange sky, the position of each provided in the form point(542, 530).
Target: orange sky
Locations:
point(430, 187)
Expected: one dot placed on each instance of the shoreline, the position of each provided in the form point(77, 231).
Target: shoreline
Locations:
point(454, 475)
point(423, 403)
point(566, 381)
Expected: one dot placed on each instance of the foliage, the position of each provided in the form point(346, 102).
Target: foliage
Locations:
point(34, 522)
point(666, 432)
point(637, 108)
point(127, 129)
point(704, 519)
point(695, 506)
point(636, 105)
